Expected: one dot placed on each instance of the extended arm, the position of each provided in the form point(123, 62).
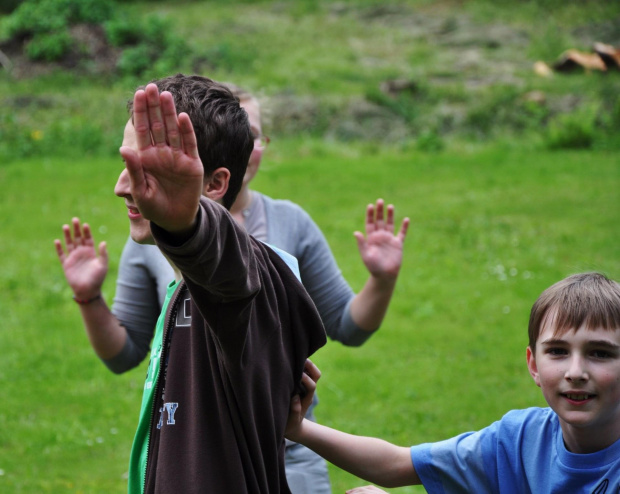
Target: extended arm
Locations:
point(382, 254)
point(369, 458)
point(85, 272)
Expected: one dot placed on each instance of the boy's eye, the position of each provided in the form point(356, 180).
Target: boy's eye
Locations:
point(601, 354)
point(556, 351)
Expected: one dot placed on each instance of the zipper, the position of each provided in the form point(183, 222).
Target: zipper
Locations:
point(162, 368)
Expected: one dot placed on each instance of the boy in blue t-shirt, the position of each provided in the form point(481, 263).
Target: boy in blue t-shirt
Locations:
point(574, 446)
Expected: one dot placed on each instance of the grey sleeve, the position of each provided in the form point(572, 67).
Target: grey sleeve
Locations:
point(299, 235)
point(143, 276)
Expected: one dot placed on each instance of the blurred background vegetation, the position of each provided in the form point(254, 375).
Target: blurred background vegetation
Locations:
point(408, 73)
point(453, 110)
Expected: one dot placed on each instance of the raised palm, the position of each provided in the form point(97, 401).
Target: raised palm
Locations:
point(164, 167)
point(381, 249)
point(84, 269)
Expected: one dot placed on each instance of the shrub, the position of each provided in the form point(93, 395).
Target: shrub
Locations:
point(404, 104)
point(34, 17)
point(573, 130)
point(121, 31)
point(49, 47)
point(8, 6)
point(430, 141)
point(149, 46)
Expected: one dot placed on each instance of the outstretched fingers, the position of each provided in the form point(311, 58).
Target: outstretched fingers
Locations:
point(379, 221)
point(404, 227)
point(157, 127)
point(155, 119)
point(87, 236)
point(379, 217)
point(60, 252)
point(156, 123)
point(141, 120)
point(188, 136)
point(74, 235)
point(169, 112)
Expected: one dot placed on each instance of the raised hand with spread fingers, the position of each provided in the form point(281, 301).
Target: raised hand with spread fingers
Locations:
point(84, 269)
point(164, 168)
point(382, 254)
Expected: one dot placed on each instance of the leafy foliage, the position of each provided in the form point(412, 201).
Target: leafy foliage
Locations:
point(148, 44)
point(36, 17)
point(49, 47)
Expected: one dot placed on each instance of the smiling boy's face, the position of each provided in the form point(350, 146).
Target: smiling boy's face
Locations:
point(579, 375)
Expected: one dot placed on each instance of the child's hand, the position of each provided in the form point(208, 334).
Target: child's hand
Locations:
point(381, 250)
point(84, 270)
point(300, 405)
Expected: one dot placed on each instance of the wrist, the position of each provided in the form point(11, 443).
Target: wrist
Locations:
point(383, 282)
point(86, 300)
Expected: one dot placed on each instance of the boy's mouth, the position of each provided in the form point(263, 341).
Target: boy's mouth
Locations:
point(133, 212)
point(578, 397)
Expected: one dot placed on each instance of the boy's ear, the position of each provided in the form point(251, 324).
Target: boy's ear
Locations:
point(531, 365)
point(216, 185)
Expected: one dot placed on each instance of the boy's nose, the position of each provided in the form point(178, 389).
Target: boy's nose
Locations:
point(576, 370)
point(122, 187)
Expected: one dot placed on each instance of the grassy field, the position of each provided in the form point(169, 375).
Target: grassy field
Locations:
point(497, 216)
point(490, 229)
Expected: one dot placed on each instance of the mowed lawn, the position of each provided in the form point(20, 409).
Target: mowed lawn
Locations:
point(490, 229)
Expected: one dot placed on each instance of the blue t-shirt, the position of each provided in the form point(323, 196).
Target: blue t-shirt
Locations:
point(522, 453)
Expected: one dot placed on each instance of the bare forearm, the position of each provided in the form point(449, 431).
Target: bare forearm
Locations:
point(369, 458)
point(370, 305)
point(104, 331)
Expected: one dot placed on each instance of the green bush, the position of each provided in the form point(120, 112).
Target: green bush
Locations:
point(49, 47)
point(575, 130)
point(34, 17)
point(46, 16)
point(405, 104)
point(136, 59)
point(149, 46)
point(430, 141)
point(8, 6)
point(229, 55)
point(121, 31)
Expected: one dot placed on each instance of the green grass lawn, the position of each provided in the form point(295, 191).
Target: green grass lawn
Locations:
point(496, 216)
point(491, 228)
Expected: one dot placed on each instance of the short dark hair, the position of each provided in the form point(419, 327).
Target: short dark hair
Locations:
point(220, 123)
point(241, 93)
point(586, 299)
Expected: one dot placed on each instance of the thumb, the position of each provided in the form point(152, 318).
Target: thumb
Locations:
point(134, 168)
point(361, 240)
point(103, 254)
